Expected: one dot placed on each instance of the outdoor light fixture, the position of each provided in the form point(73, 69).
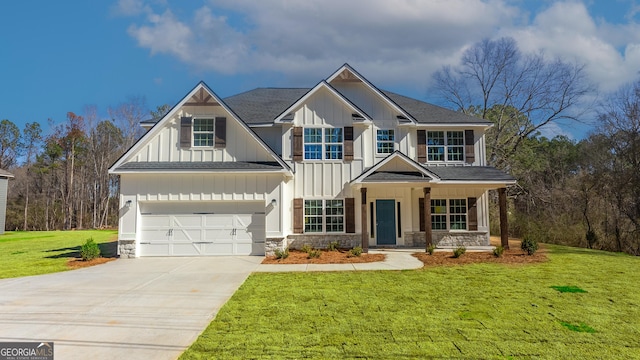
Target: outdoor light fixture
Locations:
point(128, 203)
point(274, 202)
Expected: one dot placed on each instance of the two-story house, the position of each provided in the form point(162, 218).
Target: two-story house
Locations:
point(280, 167)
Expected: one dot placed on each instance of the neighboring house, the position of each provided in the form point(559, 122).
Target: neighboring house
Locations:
point(270, 168)
point(4, 183)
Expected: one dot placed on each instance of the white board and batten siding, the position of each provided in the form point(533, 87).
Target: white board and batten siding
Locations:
point(165, 145)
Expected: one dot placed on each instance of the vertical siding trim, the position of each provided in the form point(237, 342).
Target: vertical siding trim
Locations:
point(422, 146)
point(469, 141)
point(298, 216)
point(297, 143)
point(350, 215)
point(185, 132)
point(348, 143)
point(472, 214)
point(220, 132)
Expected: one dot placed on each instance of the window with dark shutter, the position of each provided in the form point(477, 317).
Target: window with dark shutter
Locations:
point(220, 132)
point(422, 147)
point(350, 215)
point(298, 216)
point(297, 144)
point(472, 214)
point(348, 143)
point(185, 132)
point(469, 146)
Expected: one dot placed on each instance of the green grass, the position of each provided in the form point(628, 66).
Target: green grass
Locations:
point(568, 289)
point(487, 311)
point(43, 252)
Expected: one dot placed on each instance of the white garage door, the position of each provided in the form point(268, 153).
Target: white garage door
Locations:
point(202, 229)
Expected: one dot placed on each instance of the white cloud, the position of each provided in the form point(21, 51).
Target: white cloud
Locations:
point(130, 7)
point(391, 42)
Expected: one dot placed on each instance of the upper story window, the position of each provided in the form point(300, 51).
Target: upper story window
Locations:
point(445, 145)
point(203, 132)
point(385, 141)
point(322, 144)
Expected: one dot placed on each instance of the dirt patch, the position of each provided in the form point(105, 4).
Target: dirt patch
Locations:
point(512, 256)
point(326, 257)
point(77, 263)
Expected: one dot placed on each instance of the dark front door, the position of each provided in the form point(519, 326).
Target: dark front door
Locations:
point(385, 222)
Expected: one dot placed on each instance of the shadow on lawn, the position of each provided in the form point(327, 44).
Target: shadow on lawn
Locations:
point(107, 250)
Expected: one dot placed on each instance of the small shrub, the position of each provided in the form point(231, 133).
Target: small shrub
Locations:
point(306, 248)
point(312, 254)
point(497, 252)
point(529, 245)
point(89, 250)
point(356, 251)
point(281, 254)
point(333, 246)
point(457, 252)
point(431, 248)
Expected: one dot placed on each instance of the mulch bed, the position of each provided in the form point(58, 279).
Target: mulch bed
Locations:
point(326, 257)
point(512, 257)
point(77, 263)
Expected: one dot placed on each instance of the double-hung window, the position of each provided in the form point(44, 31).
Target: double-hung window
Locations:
point(323, 144)
point(445, 146)
point(203, 132)
point(449, 214)
point(323, 216)
point(385, 140)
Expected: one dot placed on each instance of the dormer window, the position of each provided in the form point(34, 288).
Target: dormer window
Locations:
point(203, 132)
point(445, 145)
point(323, 144)
point(385, 141)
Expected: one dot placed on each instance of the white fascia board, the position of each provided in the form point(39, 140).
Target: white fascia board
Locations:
point(434, 178)
point(305, 97)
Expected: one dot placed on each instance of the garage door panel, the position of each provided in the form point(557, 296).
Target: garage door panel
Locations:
point(191, 229)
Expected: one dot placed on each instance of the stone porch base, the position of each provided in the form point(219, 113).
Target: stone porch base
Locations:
point(127, 248)
point(448, 239)
point(319, 241)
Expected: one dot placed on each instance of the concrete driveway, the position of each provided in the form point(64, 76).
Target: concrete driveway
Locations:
point(148, 308)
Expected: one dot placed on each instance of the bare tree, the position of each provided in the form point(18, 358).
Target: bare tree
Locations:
point(519, 93)
point(32, 136)
point(10, 144)
point(128, 115)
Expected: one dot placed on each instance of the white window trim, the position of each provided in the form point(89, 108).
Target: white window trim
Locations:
point(448, 214)
point(193, 131)
point(324, 217)
point(376, 141)
point(322, 144)
point(446, 148)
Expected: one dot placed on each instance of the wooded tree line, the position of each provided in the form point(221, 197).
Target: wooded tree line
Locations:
point(61, 180)
point(584, 193)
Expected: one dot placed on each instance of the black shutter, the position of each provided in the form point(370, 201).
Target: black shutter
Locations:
point(468, 147)
point(472, 214)
point(350, 215)
point(421, 213)
point(297, 144)
point(422, 146)
point(348, 143)
point(220, 132)
point(185, 132)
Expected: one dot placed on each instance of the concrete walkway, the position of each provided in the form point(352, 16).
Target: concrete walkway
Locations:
point(148, 308)
point(396, 259)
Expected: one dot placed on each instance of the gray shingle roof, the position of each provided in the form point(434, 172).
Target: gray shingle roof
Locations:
point(262, 105)
point(469, 173)
point(391, 176)
point(208, 166)
point(426, 113)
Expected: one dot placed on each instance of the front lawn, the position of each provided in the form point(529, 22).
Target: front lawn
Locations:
point(41, 252)
point(471, 311)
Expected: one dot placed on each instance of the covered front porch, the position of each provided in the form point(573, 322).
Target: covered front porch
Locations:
point(405, 204)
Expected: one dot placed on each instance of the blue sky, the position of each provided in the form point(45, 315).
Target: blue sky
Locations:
point(60, 56)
